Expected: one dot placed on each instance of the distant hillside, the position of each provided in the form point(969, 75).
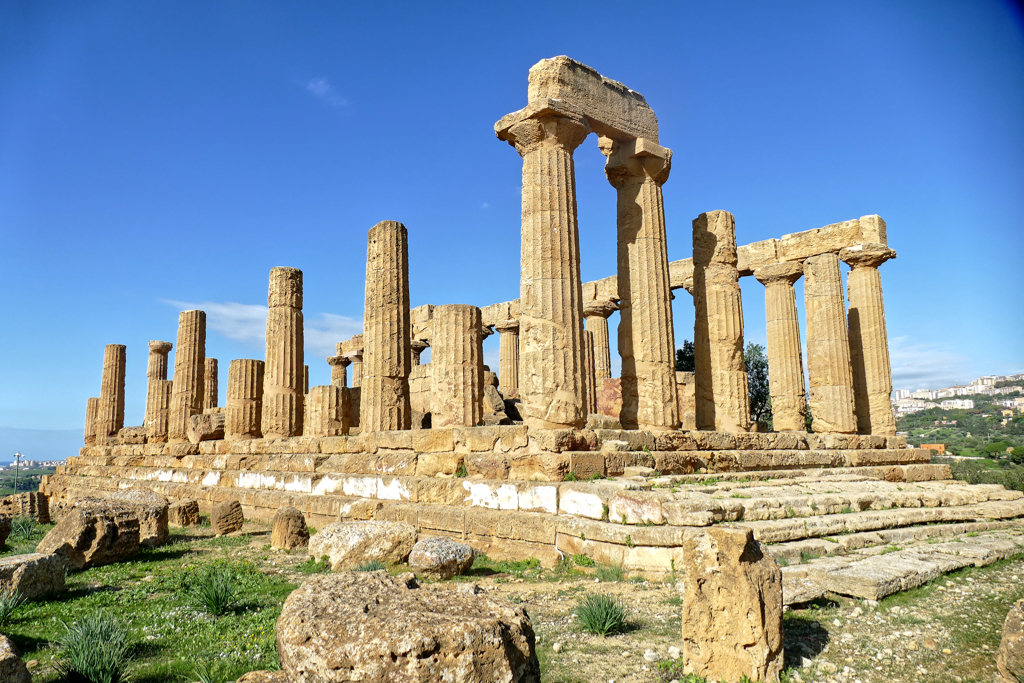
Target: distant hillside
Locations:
point(39, 444)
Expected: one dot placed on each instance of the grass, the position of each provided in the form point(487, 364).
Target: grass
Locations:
point(95, 649)
point(370, 566)
point(582, 561)
point(611, 572)
point(10, 601)
point(23, 527)
point(311, 566)
point(602, 615)
point(808, 555)
point(215, 590)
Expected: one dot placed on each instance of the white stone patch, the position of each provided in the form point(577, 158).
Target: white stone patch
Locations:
point(362, 487)
point(328, 484)
point(542, 498)
point(256, 480)
point(211, 479)
point(393, 491)
point(504, 497)
point(581, 504)
point(169, 475)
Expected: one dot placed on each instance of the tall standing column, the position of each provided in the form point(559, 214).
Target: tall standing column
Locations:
point(189, 367)
point(869, 342)
point(457, 366)
point(508, 357)
point(92, 408)
point(339, 374)
point(588, 371)
point(283, 374)
point(158, 392)
point(828, 347)
point(597, 314)
point(637, 169)
point(157, 364)
point(551, 380)
point(387, 358)
point(244, 409)
point(785, 357)
point(209, 383)
point(110, 410)
point(722, 397)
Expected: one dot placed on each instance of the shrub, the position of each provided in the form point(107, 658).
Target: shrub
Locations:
point(370, 566)
point(9, 602)
point(607, 572)
point(94, 650)
point(582, 561)
point(601, 614)
point(215, 591)
point(23, 527)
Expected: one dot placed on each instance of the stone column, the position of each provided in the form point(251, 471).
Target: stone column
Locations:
point(283, 375)
point(339, 374)
point(597, 314)
point(158, 392)
point(189, 369)
point(357, 368)
point(785, 356)
point(417, 347)
point(457, 366)
point(326, 411)
point(387, 358)
point(508, 357)
point(157, 366)
point(353, 350)
point(588, 371)
point(244, 410)
point(210, 388)
point(92, 408)
point(551, 380)
point(722, 398)
point(637, 169)
point(869, 342)
point(305, 379)
point(110, 410)
point(828, 347)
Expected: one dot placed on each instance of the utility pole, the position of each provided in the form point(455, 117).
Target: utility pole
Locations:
point(17, 467)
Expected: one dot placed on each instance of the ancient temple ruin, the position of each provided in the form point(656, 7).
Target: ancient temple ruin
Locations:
point(551, 455)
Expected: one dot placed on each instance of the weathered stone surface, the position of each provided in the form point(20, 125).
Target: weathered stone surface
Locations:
point(785, 355)
point(609, 397)
point(226, 517)
point(5, 529)
point(130, 436)
point(1010, 656)
point(596, 314)
point(732, 606)
point(458, 369)
point(206, 427)
point(508, 357)
point(375, 628)
point(189, 368)
point(441, 557)
point(110, 409)
point(244, 414)
point(830, 374)
point(264, 677)
point(29, 504)
point(183, 513)
point(152, 511)
point(327, 411)
point(349, 544)
point(209, 383)
point(158, 409)
point(289, 530)
point(33, 575)
point(12, 669)
point(94, 532)
point(92, 408)
point(283, 370)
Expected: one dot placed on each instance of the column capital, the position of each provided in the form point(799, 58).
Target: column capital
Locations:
point(602, 308)
point(786, 272)
point(635, 160)
point(343, 361)
point(162, 347)
point(486, 331)
point(419, 345)
point(868, 255)
point(544, 123)
point(510, 325)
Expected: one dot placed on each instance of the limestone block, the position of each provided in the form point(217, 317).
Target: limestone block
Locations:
point(29, 504)
point(283, 370)
point(686, 393)
point(437, 464)
point(349, 544)
point(131, 435)
point(33, 575)
point(227, 517)
point(440, 557)
point(732, 606)
point(638, 507)
point(93, 533)
point(189, 368)
point(289, 530)
point(183, 513)
point(327, 411)
point(206, 427)
point(1010, 656)
point(609, 397)
point(750, 257)
point(264, 677)
point(829, 239)
point(12, 669)
point(372, 627)
point(152, 511)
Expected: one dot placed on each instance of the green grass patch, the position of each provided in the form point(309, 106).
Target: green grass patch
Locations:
point(611, 572)
point(602, 615)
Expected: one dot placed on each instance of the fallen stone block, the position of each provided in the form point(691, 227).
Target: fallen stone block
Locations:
point(31, 504)
point(5, 529)
point(376, 628)
point(94, 532)
point(289, 530)
point(349, 544)
point(152, 511)
point(183, 513)
point(440, 557)
point(33, 575)
point(227, 517)
point(1010, 655)
point(206, 427)
point(12, 669)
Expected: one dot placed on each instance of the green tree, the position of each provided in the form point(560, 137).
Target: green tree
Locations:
point(684, 357)
point(757, 381)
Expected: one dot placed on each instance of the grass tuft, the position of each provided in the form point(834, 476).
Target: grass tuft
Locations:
point(370, 566)
point(582, 561)
point(24, 527)
point(94, 649)
point(215, 590)
point(609, 572)
point(9, 603)
point(311, 566)
point(601, 615)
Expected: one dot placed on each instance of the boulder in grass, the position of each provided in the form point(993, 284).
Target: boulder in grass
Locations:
point(440, 557)
point(183, 513)
point(289, 530)
point(227, 517)
point(94, 532)
point(33, 575)
point(5, 529)
point(152, 509)
point(350, 544)
point(1010, 656)
point(12, 669)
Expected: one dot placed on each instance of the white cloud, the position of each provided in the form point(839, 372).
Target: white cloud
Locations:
point(926, 366)
point(324, 91)
point(247, 324)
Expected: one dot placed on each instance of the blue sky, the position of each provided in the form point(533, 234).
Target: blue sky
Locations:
point(165, 155)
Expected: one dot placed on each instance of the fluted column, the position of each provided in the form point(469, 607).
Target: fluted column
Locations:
point(387, 358)
point(551, 381)
point(596, 314)
point(305, 379)
point(722, 397)
point(457, 366)
point(244, 409)
point(157, 364)
point(327, 409)
point(869, 342)
point(210, 388)
point(417, 347)
point(189, 368)
point(588, 371)
point(92, 408)
point(110, 410)
point(353, 350)
point(828, 347)
point(508, 357)
point(158, 392)
point(637, 169)
point(283, 374)
point(357, 368)
point(785, 356)
point(339, 374)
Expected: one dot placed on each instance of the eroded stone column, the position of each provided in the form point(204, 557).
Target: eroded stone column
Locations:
point(339, 374)
point(387, 358)
point(189, 369)
point(92, 408)
point(110, 411)
point(869, 342)
point(417, 347)
point(244, 409)
point(353, 350)
point(551, 381)
point(785, 356)
point(457, 366)
point(508, 357)
point(828, 347)
point(326, 411)
point(157, 365)
point(210, 388)
point(158, 392)
point(722, 396)
point(588, 371)
point(637, 169)
point(283, 374)
point(596, 314)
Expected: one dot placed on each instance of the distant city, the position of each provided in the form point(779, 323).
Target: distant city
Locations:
point(906, 402)
point(30, 465)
